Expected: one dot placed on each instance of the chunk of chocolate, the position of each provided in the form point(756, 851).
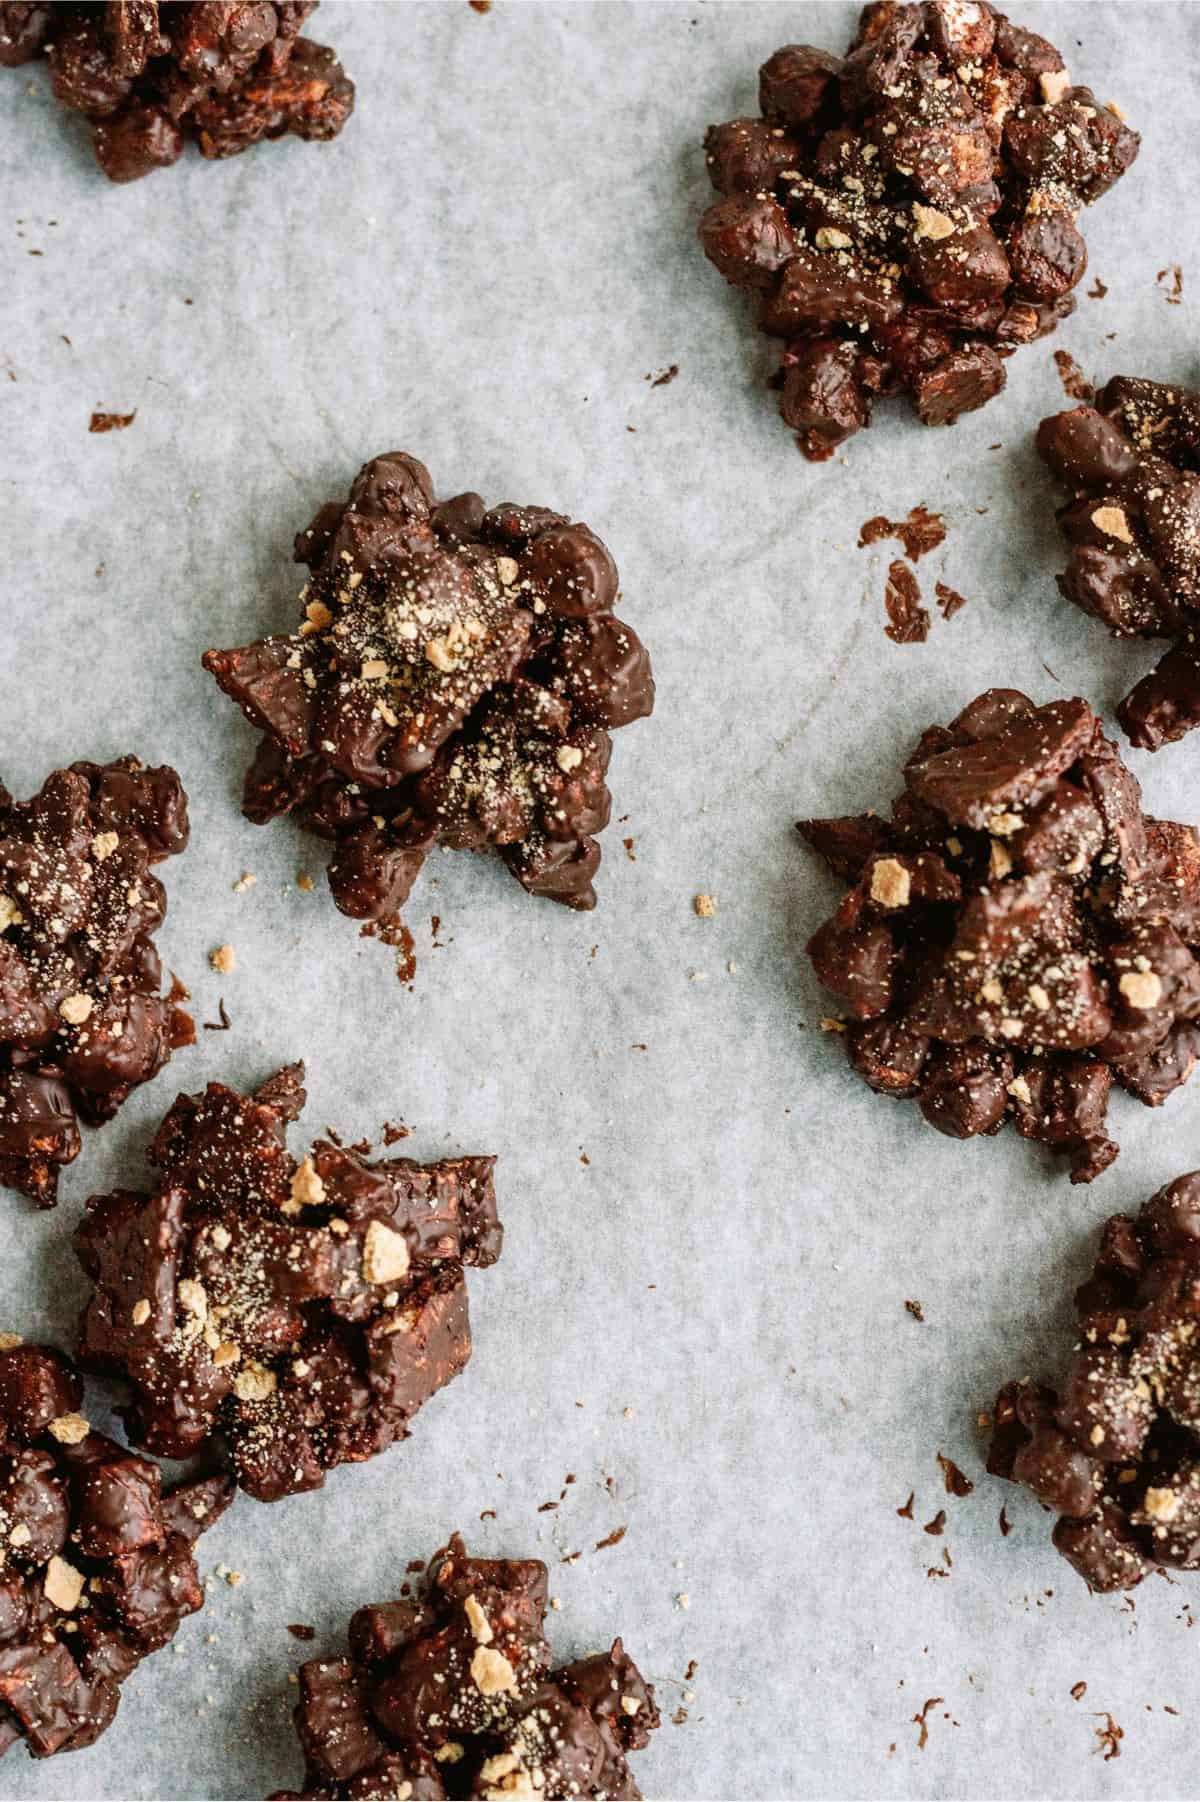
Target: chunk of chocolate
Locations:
point(1132, 465)
point(1018, 934)
point(302, 1311)
point(149, 78)
point(82, 1022)
point(455, 1694)
point(907, 215)
point(454, 681)
point(96, 1567)
point(1115, 1454)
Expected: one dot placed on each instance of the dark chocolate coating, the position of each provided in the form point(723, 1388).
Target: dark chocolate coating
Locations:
point(1114, 1454)
point(1018, 933)
point(97, 1565)
point(1132, 464)
point(303, 1312)
point(454, 682)
point(82, 1022)
point(452, 1694)
point(151, 77)
point(906, 215)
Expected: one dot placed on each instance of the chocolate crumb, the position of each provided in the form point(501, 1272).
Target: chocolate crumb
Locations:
point(921, 531)
point(948, 599)
point(908, 622)
point(954, 1479)
point(392, 1134)
point(915, 1309)
point(221, 1025)
point(1005, 1523)
point(299, 1631)
point(614, 1538)
point(111, 422)
point(1075, 384)
point(663, 377)
point(1098, 290)
point(1078, 1690)
point(938, 1524)
point(906, 1513)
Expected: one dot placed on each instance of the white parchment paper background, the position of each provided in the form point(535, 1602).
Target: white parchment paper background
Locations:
point(483, 270)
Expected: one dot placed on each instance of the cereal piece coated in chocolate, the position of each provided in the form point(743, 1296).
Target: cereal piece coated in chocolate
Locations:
point(1115, 1454)
point(304, 1311)
point(1132, 464)
point(455, 680)
point(1018, 934)
point(223, 73)
point(454, 1693)
point(906, 215)
point(82, 1021)
point(96, 1565)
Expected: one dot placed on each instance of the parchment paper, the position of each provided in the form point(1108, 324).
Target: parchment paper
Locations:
point(712, 1228)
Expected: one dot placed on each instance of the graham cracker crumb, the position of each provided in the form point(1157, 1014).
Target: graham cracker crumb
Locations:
point(63, 1584)
point(69, 1429)
point(491, 1672)
point(385, 1253)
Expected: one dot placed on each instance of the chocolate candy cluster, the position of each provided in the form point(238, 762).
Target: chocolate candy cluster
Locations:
point(82, 1022)
point(454, 681)
point(453, 1694)
point(96, 1565)
point(1018, 934)
point(225, 73)
point(1117, 1453)
point(304, 1311)
point(906, 215)
point(1132, 463)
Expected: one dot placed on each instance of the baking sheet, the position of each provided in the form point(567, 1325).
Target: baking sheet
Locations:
point(712, 1229)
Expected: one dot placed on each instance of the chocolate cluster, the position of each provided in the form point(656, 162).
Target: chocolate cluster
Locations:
point(1018, 934)
point(302, 1311)
point(1132, 463)
point(96, 1565)
point(452, 1693)
point(82, 1021)
point(224, 73)
point(454, 681)
point(1116, 1454)
point(907, 215)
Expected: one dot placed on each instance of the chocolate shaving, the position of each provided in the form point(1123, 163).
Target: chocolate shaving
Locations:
point(922, 1721)
point(1108, 1737)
